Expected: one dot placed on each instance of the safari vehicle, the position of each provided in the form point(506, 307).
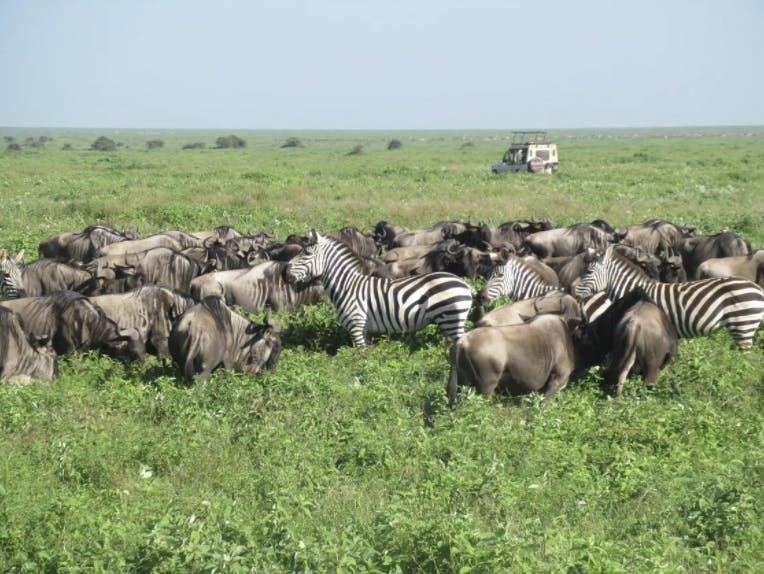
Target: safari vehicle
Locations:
point(529, 151)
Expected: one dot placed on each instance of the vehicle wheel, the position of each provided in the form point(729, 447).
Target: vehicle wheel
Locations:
point(555, 168)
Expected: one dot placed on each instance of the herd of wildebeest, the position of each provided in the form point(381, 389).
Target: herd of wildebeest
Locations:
point(582, 295)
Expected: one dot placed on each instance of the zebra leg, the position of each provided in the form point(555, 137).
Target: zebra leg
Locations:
point(358, 334)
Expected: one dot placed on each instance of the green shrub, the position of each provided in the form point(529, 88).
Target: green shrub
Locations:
point(232, 141)
point(102, 143)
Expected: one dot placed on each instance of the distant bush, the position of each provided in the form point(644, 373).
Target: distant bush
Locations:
point(293, 142)
point(357, 150)
point(154, 144)
point(44, 139)
point(231, 141)
point(394, 144)
point(195, 145)
point(67, 147)
point(9, 139)
point(103, 144)
point(13, 146)
point(31, 142)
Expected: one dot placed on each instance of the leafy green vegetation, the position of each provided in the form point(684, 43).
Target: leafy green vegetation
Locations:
point(348, 460)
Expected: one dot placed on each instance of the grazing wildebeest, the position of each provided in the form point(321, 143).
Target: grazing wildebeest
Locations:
point(447, 255)
point(385, 233)
point(439, 231)
point(257, 288)
point(636, 333)
point(368, 304)
point(749, 267)
point(513, 233)
point(209, 335)
point(554, 302)
point(43, 276)
point(653, 236)
point(133, 246)
point(150, 310)
point(21, 361)
point(73, 323)
point(361, 244)
point(220, 234)
point(696, 250)
point(534, 356)
point(567, 240)
point(82, 245)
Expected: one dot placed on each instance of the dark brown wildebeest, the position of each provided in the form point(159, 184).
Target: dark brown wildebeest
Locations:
point(749, 267)
point(447, 255)
point(513, 233)
point(554, 303)
point(385, 233)
point(637, 334)
point(696, 250)
point(40, 277)
point(82, 245)
point(150, 310)
point(73, 323)
point(567, 240)
point(535, 356)
point(361, 244)
point(19, 360)
point(209, 335)
point(257, 288)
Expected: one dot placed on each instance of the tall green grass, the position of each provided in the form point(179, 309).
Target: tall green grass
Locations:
point(349, 460)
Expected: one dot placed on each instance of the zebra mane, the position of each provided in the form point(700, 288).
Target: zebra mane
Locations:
point(628, 263)
point(345, 251)
point(526, 266)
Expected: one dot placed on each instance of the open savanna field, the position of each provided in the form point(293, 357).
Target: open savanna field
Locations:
point(349, 460)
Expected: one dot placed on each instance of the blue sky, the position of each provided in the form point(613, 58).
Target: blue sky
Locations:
point(337, 64)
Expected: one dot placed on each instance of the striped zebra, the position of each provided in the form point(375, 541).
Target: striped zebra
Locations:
point(516, 278)
point(11, 282)
point(695, 308)
point(368, 304)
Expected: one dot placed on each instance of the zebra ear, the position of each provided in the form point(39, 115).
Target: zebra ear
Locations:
point(3, 255)
point(19, 257)
point(313, 236)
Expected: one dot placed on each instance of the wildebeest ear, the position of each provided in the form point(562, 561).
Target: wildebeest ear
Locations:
point(505, 254)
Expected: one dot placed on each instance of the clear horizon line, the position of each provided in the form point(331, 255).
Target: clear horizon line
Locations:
point(507, 129)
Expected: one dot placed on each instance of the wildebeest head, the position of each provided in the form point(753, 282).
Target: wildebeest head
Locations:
point(264, 346)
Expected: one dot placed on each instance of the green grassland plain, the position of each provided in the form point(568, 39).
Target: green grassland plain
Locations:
point(345, 460)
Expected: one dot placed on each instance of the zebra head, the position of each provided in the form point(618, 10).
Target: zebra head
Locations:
point(11, 283)
point(310, 263)
point(594, 278)
point(498, 282)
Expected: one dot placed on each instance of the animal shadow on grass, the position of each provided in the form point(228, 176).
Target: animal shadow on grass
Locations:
point(316, 337)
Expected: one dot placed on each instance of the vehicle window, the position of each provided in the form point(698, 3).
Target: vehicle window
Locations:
point(543, 154)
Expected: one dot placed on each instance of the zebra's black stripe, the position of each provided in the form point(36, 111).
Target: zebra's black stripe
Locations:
point(375, 305)
point(695, 308)
point(515, 278)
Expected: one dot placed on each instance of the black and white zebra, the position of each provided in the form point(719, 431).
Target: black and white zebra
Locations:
point(11, 282)
point(695, 308)
point(368, 304)
point(514, 277)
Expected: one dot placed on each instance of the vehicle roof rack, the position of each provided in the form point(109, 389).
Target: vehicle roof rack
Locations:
point(529, 137)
